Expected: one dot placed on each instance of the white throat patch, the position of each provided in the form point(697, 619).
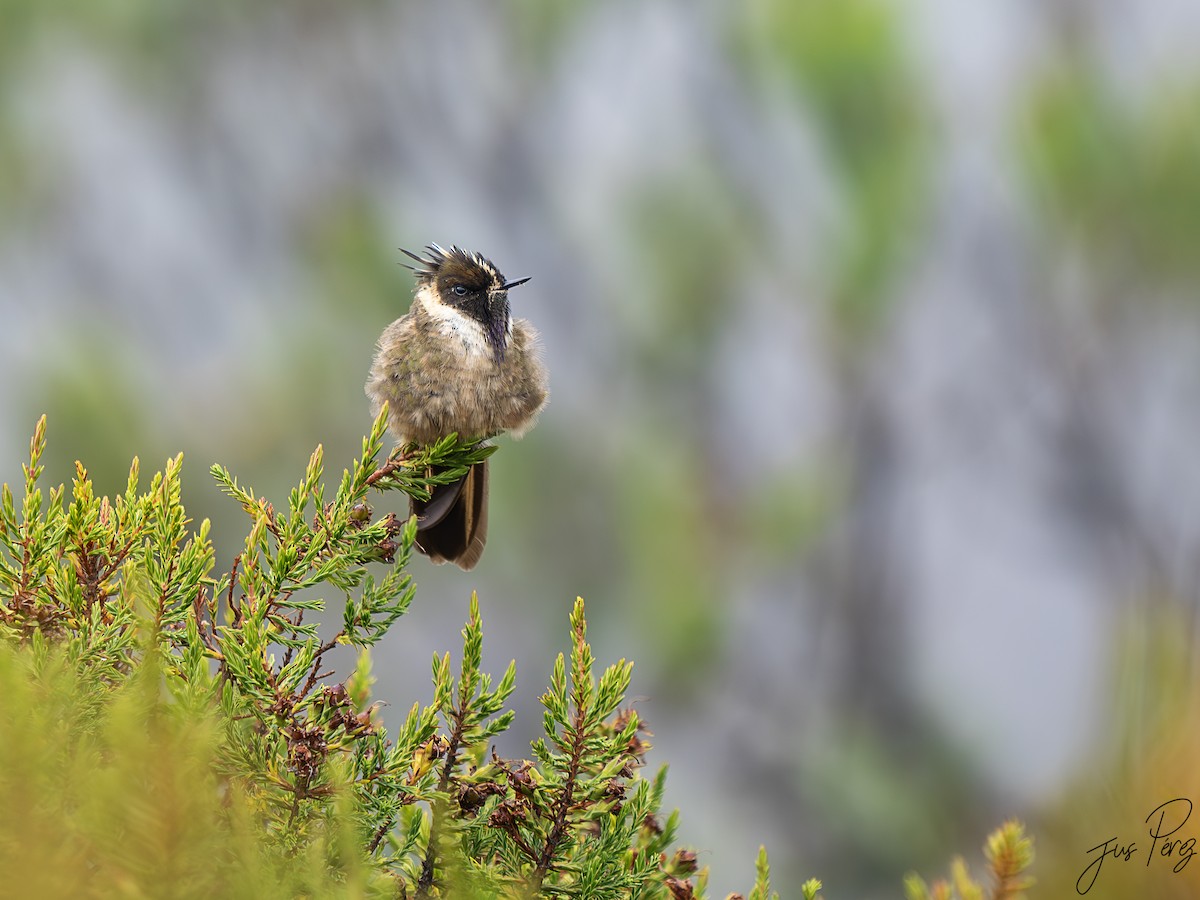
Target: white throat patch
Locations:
point(454, 324)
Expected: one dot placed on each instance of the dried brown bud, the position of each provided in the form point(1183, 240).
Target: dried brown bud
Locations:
point(306, 751)
point(473, 796)
point(509, 814)
point(637, 747)
point(519, 778)
point(682, 863)
point(680, 889)
point(614, 792)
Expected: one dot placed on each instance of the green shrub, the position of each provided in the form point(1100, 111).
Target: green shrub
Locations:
point(171, 731)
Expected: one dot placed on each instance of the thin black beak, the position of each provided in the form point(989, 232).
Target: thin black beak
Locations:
point(513, 284)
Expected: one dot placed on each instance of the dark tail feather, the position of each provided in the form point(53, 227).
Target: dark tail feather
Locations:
point(452, 523)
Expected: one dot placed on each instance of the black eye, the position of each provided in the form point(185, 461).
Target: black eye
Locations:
point(459, 290)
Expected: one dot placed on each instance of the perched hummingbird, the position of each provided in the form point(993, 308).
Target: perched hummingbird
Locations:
point(457, 362)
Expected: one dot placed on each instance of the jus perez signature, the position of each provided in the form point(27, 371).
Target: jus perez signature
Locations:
point(1164, 821)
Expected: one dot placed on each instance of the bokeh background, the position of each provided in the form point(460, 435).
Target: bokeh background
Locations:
point(875, 353)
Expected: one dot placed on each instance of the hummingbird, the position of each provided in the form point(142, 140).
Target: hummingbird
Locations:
point(457, 362)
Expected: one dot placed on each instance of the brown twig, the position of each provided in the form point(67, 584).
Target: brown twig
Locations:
point(233, 570)
point(315, 674)
point(425, 883)
point(393, 464)
point(287, 655)
point(380, 834)
point(566, 801)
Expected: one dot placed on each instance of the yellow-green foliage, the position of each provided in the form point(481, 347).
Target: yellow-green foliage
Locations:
point(1009, 854)
point(170, 732)
point(113, 791)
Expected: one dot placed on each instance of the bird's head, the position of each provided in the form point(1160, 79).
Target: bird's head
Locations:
point(469, 285)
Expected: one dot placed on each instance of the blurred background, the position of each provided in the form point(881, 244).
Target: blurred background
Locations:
point(874, 346)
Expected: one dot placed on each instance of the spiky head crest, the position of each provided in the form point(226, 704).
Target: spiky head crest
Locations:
point(456, 265)
point(470, 285)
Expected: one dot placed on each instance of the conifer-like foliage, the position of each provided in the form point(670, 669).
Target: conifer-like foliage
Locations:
point(1009, 854)
point(174, 731)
